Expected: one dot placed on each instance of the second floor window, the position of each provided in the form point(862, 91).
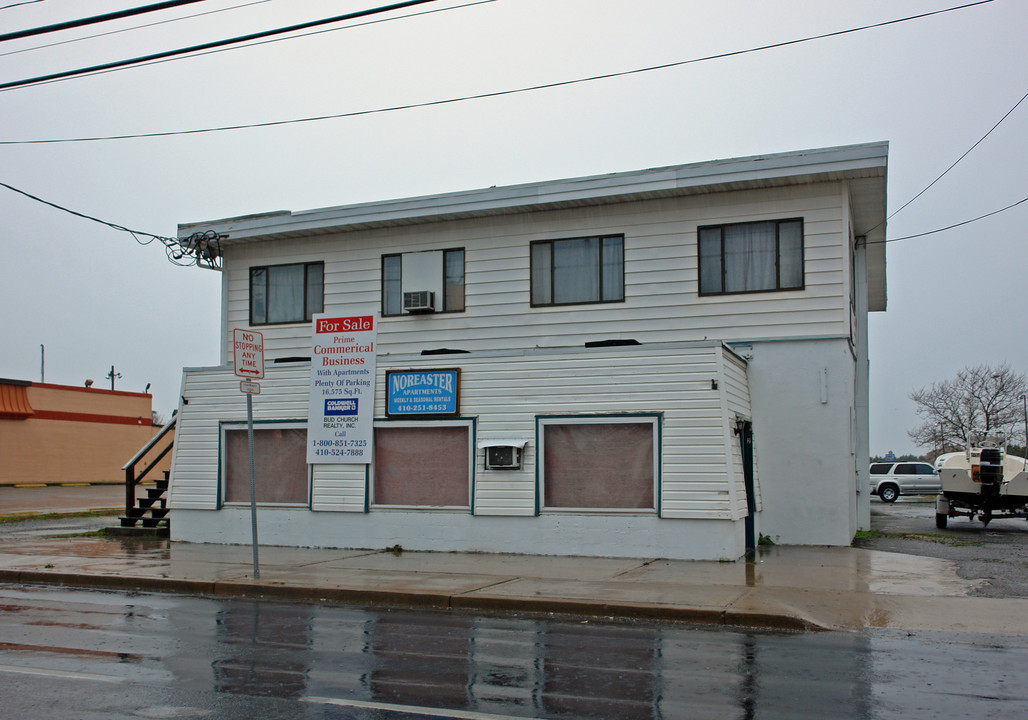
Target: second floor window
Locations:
point(452, 281)
point(751, 257)
point(286, 293)
point(578, 270)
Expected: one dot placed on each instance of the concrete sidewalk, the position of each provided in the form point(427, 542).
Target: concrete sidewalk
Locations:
point(782, 587)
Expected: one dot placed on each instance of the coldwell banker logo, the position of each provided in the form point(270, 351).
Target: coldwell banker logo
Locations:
point(335, 406)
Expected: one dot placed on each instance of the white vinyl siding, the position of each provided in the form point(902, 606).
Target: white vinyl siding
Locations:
point(661, 304)
point(736, 397)
point(212, 396)
point(507, 392)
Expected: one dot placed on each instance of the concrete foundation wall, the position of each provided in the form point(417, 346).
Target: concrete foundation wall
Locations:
point(597, 536)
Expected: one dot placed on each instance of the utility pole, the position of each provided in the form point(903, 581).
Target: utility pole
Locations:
point(42, 363)
point(112, 375)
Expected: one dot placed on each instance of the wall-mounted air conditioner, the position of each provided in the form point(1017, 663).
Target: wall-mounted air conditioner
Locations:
point(503, 454)
point(419, 301)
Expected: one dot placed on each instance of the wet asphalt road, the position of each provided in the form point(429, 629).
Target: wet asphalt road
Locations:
point(996, 555)
point(91, 655)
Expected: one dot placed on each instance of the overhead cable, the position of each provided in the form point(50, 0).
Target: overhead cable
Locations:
point(950, 227)
point(492, 94)
point(82, 22)
point(944, 172)
point(130, 29)
point(213, 44)
point(201, 248)
point(19, 4)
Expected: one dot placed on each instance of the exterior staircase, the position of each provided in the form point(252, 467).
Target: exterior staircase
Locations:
point(147, 515)
point(150, 511)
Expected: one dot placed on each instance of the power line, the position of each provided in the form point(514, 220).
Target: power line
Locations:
point(950, 227)
point(19, 4)
point(201, 249)
point(82, 22)
point(210, 45)
point(944, 172)
point(493, 94)
point(130, 29)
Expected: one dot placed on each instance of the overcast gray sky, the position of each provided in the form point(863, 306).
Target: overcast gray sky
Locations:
point(93, 297)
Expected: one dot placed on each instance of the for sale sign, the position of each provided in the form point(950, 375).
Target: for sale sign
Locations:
point(248, 353)
point(341, 410)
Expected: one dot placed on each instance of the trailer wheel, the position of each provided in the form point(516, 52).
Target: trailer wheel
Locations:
point(888, 493)
point(940, 520)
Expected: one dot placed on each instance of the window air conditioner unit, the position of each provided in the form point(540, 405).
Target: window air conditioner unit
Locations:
point(420, 301)
point(503, 454)
point(503, 457)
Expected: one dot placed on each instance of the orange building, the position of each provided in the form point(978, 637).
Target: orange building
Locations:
point(62, 434)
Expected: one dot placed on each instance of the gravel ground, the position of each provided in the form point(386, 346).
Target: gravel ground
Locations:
point(997, 554)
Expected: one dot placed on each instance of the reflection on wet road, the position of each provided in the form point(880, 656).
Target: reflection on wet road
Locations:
point(101, 655)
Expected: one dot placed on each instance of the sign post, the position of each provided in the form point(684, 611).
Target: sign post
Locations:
point(249, 364)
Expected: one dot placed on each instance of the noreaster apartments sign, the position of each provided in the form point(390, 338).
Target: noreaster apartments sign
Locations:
point(422, 392)
point(341, 410)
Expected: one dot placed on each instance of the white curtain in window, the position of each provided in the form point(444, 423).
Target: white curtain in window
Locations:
point(790, 250)
point(285, 293)
point(750, 257)
point(710, 260)
point(576, 275)
point(613, 269)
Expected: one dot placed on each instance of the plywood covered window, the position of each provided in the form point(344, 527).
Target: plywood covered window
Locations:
point(281, 473)
point(599, 463)
point(423, 465)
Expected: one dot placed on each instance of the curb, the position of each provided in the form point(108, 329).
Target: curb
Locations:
point(408, 599)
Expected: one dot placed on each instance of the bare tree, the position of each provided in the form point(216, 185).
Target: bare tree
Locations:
point(979, 401)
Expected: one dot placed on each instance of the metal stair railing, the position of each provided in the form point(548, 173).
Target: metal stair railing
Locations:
point(132, 514)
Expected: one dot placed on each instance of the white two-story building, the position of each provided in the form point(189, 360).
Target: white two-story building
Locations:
point(664, 363)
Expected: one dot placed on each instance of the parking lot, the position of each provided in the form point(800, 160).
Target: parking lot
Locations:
point(997, 555)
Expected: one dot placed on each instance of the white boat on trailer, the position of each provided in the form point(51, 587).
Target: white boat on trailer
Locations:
point(984, 483)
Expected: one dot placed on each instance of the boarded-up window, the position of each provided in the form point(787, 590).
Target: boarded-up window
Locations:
point(279, 461)
point(427, 465)
point(598, 465)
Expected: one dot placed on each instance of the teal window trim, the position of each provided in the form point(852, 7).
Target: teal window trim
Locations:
point(241, 424)
point(471, 421)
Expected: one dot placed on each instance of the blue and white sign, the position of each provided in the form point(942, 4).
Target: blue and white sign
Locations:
point(422, 392)
point(341, 407)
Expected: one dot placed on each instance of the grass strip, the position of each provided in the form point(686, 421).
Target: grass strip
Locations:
point(22, 517)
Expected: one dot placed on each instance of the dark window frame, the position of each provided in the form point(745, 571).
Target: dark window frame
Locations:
point(778, 257)
point(309, 308)
point(599, 270)
point(447, 301)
